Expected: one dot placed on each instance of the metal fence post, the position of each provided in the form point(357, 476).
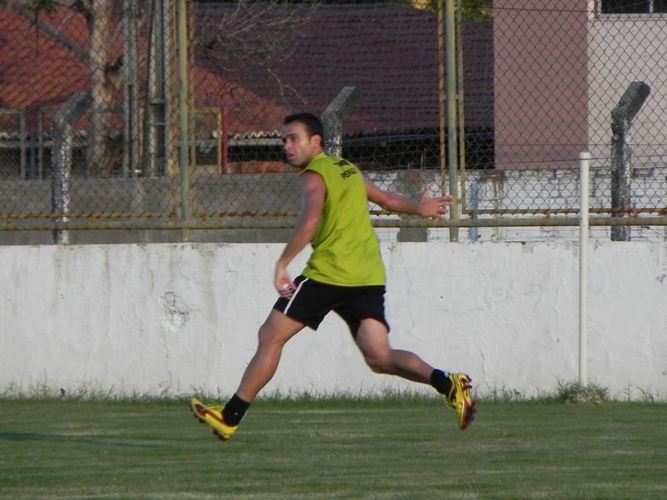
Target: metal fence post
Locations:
point(621, 153)
point(22, 127)
point(452, 108)
point(442, 99)
point(183, 119)
point(131, 163)
point(61, 161)
point(333, 117)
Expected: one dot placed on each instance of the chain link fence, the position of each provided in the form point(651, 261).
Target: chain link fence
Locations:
point(163, 117)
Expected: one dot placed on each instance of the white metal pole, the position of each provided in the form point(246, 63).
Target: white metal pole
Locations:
point(584, 158)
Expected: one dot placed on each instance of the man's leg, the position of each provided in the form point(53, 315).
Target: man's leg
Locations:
point(373, 342)
point(273, 335)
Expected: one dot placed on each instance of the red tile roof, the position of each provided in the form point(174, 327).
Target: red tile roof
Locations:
point(35, 70)
point(387, 51)
point(42, 68)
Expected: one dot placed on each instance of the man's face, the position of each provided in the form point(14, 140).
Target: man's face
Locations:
point(298, 146)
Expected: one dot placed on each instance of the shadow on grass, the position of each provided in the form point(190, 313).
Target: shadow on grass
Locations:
point(70, 439)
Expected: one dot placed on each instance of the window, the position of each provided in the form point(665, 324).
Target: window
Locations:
point(633, 6)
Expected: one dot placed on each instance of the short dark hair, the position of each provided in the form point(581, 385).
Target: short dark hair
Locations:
point(313, 123)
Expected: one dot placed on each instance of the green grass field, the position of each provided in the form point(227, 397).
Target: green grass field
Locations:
point(387, 449)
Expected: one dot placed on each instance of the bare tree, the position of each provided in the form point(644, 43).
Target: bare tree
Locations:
point(105, 80)
point(251, 39)
point(105, 63)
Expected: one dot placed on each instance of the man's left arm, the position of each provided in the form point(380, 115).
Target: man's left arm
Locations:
point(434, 208)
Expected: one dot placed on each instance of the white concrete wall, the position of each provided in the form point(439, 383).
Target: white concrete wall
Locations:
point(175, 318)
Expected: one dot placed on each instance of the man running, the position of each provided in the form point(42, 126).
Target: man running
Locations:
point(344, 274)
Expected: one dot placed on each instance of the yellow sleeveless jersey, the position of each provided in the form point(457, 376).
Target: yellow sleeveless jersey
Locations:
point(346, 251)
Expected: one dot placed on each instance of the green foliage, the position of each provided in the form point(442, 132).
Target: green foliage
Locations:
point(323, 2)
point(564, 392)
point(37, 7)
point(471, 10)
point(573, 392)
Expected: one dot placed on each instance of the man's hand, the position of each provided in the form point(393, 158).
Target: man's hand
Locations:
point(283, 282)
point(434, 208)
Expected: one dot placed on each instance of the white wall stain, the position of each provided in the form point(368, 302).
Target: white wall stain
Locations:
point(175, 311)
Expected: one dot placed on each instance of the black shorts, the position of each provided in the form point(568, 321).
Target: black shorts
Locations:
point(312, 301)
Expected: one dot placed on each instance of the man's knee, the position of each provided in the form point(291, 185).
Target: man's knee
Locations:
point(277, 330)
point(378, 363)
point(267, 333)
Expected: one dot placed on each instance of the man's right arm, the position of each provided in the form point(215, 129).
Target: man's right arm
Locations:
point(313, 194)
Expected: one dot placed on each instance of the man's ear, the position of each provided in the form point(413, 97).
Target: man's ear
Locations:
point(317, 140)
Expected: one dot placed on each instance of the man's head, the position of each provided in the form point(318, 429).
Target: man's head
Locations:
point(303, 138)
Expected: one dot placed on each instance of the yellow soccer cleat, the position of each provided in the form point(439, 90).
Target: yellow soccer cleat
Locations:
point(459, 399)
point(212, 415)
